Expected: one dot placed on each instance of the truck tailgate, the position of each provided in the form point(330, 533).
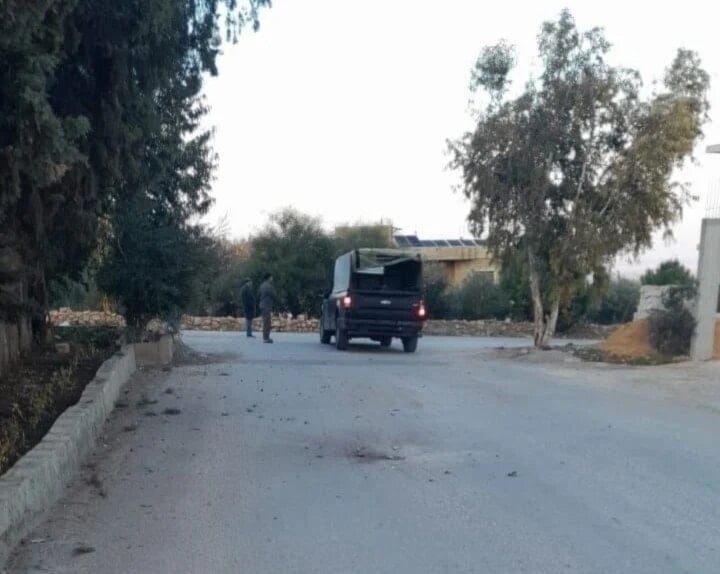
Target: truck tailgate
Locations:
point(386, 305)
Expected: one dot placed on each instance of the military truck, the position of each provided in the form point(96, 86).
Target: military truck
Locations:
point(376, 294)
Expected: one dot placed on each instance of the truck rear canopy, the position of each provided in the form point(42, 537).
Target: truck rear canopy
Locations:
point(378, 270)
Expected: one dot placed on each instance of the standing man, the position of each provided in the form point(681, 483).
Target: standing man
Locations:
point(248, 302)
point(267, 300)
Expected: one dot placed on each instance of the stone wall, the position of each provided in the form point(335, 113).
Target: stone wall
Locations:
point(280, 324)
point(302, 324)
point(66, 317)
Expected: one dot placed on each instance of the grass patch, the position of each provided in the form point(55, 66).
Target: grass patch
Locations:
point(598, 355)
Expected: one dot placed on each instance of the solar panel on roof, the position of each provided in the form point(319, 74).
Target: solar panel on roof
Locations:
point(414, 241)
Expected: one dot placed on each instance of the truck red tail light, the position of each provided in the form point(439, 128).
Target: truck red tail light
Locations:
point(422, 311)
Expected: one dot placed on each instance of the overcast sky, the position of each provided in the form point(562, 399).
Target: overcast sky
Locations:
point(341, 108)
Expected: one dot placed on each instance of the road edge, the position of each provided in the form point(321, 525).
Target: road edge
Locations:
point(38, 479)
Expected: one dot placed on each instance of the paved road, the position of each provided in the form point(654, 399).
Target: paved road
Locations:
point(295, 458)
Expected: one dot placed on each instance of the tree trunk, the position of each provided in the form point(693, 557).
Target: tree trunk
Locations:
point(538, 311)
point(544, 329)
point(15, 320)
point(550, 324)
point(38, 295)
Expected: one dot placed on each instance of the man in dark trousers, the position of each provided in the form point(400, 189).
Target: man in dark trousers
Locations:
point(248, 302)
point(267, 300)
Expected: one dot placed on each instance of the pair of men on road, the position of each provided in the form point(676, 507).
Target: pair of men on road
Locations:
point(267, 297)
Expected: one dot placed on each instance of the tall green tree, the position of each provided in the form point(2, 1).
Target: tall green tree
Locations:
point(100, 108)
point(38, 149)
point(297, 251)
point(578, 167)
point(358, 235)
point(151, 268)
point(670, 272)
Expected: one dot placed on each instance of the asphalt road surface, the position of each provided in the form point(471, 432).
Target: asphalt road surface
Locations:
point(296, 458)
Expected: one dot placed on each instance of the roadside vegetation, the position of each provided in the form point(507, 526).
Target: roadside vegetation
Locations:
point(105, 167)
point(41, 386)
point(300, 253)
point(665, 335)
point(577, 166)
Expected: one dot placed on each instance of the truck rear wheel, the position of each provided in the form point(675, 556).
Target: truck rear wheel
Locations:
point(325, 335)
point(410, 344)
point(385, 341)
point(341, 339)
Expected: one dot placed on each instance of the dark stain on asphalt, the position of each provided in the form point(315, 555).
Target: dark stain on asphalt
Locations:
point(80, 550)
point(364, 454)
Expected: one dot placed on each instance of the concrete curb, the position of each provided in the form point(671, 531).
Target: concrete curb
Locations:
point(39, 478)
point(156, 353)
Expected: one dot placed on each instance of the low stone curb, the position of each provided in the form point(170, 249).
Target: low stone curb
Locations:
point(38, 479)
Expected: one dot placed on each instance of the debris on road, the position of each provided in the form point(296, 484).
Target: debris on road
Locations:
point(80, 550)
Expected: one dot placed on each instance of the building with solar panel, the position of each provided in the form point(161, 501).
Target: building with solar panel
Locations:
point(459, 258)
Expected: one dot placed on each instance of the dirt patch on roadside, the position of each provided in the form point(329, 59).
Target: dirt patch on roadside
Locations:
point(184, 355)
point(630, 341)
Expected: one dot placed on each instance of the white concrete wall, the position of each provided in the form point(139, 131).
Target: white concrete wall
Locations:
point(709, 287)
point(651, 299)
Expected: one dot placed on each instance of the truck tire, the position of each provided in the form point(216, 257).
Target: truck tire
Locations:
point(341, 339)
point(385, 341)
point(410, 344)
point(325, 335)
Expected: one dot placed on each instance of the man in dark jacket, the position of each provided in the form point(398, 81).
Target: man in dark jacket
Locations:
point(267, 300)
point(248, 302)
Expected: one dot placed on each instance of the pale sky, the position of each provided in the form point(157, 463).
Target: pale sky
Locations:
point(341, 108)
